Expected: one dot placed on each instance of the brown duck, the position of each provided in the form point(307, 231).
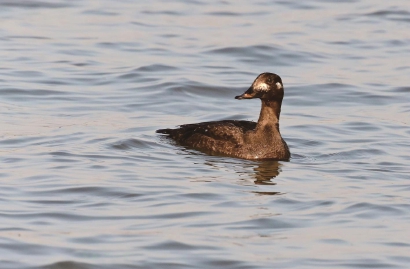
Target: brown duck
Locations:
point(237, 138)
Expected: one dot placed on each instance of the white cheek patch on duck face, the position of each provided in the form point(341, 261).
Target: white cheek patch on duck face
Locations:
point(261, 86)
point(278, 85)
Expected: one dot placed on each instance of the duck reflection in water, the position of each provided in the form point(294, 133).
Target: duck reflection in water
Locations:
point(265, 171)
point(261, 172)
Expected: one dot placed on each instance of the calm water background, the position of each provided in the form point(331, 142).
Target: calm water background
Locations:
point(86, 182)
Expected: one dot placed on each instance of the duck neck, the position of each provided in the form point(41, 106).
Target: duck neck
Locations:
point(269, 116)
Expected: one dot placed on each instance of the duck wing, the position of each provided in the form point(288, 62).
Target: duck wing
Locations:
point(231, 131)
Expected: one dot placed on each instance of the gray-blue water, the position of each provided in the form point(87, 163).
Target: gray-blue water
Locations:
point(86, 183)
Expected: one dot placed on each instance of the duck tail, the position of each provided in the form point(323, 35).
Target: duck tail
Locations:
point(164, 131)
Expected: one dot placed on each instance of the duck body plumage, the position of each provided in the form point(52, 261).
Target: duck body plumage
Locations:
point(238, 138)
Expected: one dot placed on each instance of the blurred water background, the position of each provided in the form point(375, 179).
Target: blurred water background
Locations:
point(86, 183)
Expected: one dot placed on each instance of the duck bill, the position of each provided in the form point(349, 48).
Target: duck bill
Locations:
point(249, 94)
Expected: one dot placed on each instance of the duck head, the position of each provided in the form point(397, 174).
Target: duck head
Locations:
point(267, 86)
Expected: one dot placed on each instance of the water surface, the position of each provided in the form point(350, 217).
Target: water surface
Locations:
point(86, 182)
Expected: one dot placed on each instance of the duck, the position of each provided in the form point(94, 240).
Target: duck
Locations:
point(238, 138)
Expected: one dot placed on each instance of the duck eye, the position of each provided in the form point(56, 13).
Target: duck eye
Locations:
point(269, 80)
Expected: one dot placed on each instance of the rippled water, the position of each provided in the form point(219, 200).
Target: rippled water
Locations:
point(86, 182)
